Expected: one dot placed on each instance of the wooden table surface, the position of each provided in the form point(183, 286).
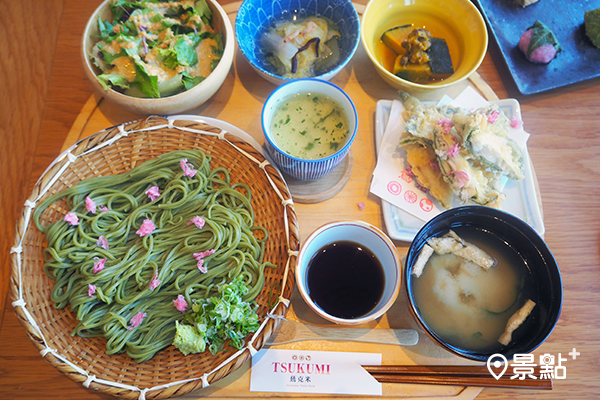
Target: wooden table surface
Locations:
point(43, 89)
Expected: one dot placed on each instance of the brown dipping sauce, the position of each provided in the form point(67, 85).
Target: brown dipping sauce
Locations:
point(345, 279)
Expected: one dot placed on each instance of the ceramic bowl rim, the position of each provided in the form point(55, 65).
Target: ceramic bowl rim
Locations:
point(515, 224)
point(122, 99)
point(388, 243)
point(353, 116)
point(326, 75)
point(419, 86)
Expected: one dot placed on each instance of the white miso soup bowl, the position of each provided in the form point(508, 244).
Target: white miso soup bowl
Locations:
point(301, 168)
point(365, 235)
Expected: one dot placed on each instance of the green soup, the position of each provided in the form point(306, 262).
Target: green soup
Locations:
point(310, 126)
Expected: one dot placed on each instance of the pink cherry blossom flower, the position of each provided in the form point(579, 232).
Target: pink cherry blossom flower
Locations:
point(136, 320)
point(90, 205)
point(91, 290)
point(102, 242)
point(198, 221)
point(154, 282)
point(153, 193)
point(201, 255)
point(72, 219)
point(493, 116)
point(146, 229)
point(515, 122)
point(201, 267)
point(361, 206)
point(446, 124)
point(180, 303)
point(98, 265)
point(187, 168)
point(461, 176)
point(103, 208)
point(453, 150)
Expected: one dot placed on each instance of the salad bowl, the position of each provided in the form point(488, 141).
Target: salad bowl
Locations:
point(169, 104)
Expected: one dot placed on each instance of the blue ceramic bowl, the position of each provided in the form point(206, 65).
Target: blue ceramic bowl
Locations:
point(254, 17)
point(532, 251)
point(298, 168)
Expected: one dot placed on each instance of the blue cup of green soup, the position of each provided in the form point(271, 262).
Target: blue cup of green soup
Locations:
point(309, 127)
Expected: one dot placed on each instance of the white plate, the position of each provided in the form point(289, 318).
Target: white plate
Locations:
point(521, 196)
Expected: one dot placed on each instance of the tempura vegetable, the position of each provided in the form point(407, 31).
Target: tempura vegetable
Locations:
point(455, 153)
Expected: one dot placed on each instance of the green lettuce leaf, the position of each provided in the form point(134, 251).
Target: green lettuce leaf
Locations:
point(542, 35)
point(146, 83)
point(111, 80)
point(592, 26)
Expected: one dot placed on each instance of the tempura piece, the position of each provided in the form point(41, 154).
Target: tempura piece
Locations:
point(452, 243)
point(426, 252)
point(515, 321)
point(485, 134)
point(421, 158)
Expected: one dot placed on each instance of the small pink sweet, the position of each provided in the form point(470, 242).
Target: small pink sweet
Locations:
point(91, 290)
point(153, 193)
point(154, 282)
point(188, 169)
point(98, 265)
point(146, 229)
point(453, 150)
point(461, 176)
point(515, 122)
point(136, 320)
point(72, 219)
point(198, 221)
point(90, 205)
point(493, 117)
point(446, 124)
point(102, 242)
point(180, 303)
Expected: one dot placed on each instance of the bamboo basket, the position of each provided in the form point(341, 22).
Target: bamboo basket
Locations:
point(114, 151)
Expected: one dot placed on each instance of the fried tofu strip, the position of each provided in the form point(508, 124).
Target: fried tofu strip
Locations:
point(515, 321)
point(452, 243)
point(426, 252)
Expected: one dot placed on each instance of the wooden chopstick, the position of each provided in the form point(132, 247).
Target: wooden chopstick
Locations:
point(456, 375)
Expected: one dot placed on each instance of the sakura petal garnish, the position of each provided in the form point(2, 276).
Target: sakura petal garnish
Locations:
point(90, 205)
point(154, 282)
point(103, 208)
point(493, 116)
point(453, 150)
point(434, 165)
point(146, 229)
point(461, 176)
point(98, 265)
point(153, 193)
point(446, 124)
point(91, 290)
point(180, 303)
point(198, 221)
point(361, 206)
point(102, 242)
point(188, 169)
point(515, 122)
point(200, 265)
point(72, 219)
point(136, 320)
point(201, 255)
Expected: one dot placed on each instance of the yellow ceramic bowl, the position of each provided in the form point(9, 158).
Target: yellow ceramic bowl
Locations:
point(457, 21)
point(168, 105)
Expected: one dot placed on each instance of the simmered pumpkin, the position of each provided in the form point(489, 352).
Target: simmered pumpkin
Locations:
point(393, 38)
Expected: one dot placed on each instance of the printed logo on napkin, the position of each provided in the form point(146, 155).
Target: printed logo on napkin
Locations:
point(307, 371)
point(391, 180)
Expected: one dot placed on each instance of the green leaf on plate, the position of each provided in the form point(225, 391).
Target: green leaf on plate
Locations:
point(542, 35)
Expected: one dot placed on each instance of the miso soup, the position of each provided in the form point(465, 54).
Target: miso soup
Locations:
point(468, 306)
